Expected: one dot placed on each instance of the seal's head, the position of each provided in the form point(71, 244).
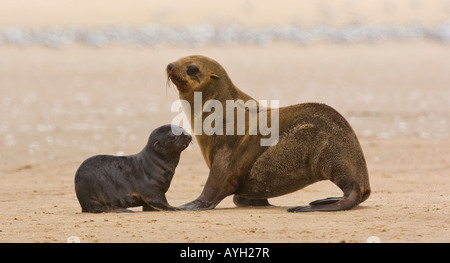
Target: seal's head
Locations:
point(195, 74)
point(168, 140)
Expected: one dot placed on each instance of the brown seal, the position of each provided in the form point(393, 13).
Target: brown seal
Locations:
point(315, 143)
point(105, 183)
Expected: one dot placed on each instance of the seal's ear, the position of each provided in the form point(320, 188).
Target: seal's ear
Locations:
point(214, 76)
point(156, 145)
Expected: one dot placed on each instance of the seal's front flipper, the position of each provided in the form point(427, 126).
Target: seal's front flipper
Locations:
point(158, 206)
point(328, 200)
point(244, 202)
point(219, 185)
point(198, 205)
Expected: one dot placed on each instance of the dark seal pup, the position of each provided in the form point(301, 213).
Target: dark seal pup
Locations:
point(315, 143)
point(105, 183)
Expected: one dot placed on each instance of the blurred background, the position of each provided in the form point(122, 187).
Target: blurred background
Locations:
point(100, 22)
point(82, 77)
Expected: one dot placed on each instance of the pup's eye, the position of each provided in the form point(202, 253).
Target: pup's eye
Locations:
point(172, 136)
point(192, 70)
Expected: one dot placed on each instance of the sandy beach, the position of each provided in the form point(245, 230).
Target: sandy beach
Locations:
point(59, 106)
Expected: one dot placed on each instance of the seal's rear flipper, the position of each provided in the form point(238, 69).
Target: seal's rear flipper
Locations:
point(352, 197)
point(328, 200)
point(244, 202)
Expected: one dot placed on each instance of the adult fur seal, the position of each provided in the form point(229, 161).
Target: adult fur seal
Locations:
point(105, 183)
point(315, 143)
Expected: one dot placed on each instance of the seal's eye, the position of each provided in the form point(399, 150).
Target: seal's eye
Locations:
point(172, 136)
point(192, 70)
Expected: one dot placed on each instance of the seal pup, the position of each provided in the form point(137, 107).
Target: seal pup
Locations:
point(105, 183)
point(315, 143)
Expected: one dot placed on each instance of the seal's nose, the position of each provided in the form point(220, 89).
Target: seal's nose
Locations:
point(170, 66)
point(189, 137)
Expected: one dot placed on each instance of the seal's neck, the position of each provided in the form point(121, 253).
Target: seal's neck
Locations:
point(230, 93)
point(198, 112)
point(151, 160)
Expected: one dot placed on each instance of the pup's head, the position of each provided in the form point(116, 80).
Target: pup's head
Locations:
point(169, 140)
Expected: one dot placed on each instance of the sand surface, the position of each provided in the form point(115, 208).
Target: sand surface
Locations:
point(59, 107)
